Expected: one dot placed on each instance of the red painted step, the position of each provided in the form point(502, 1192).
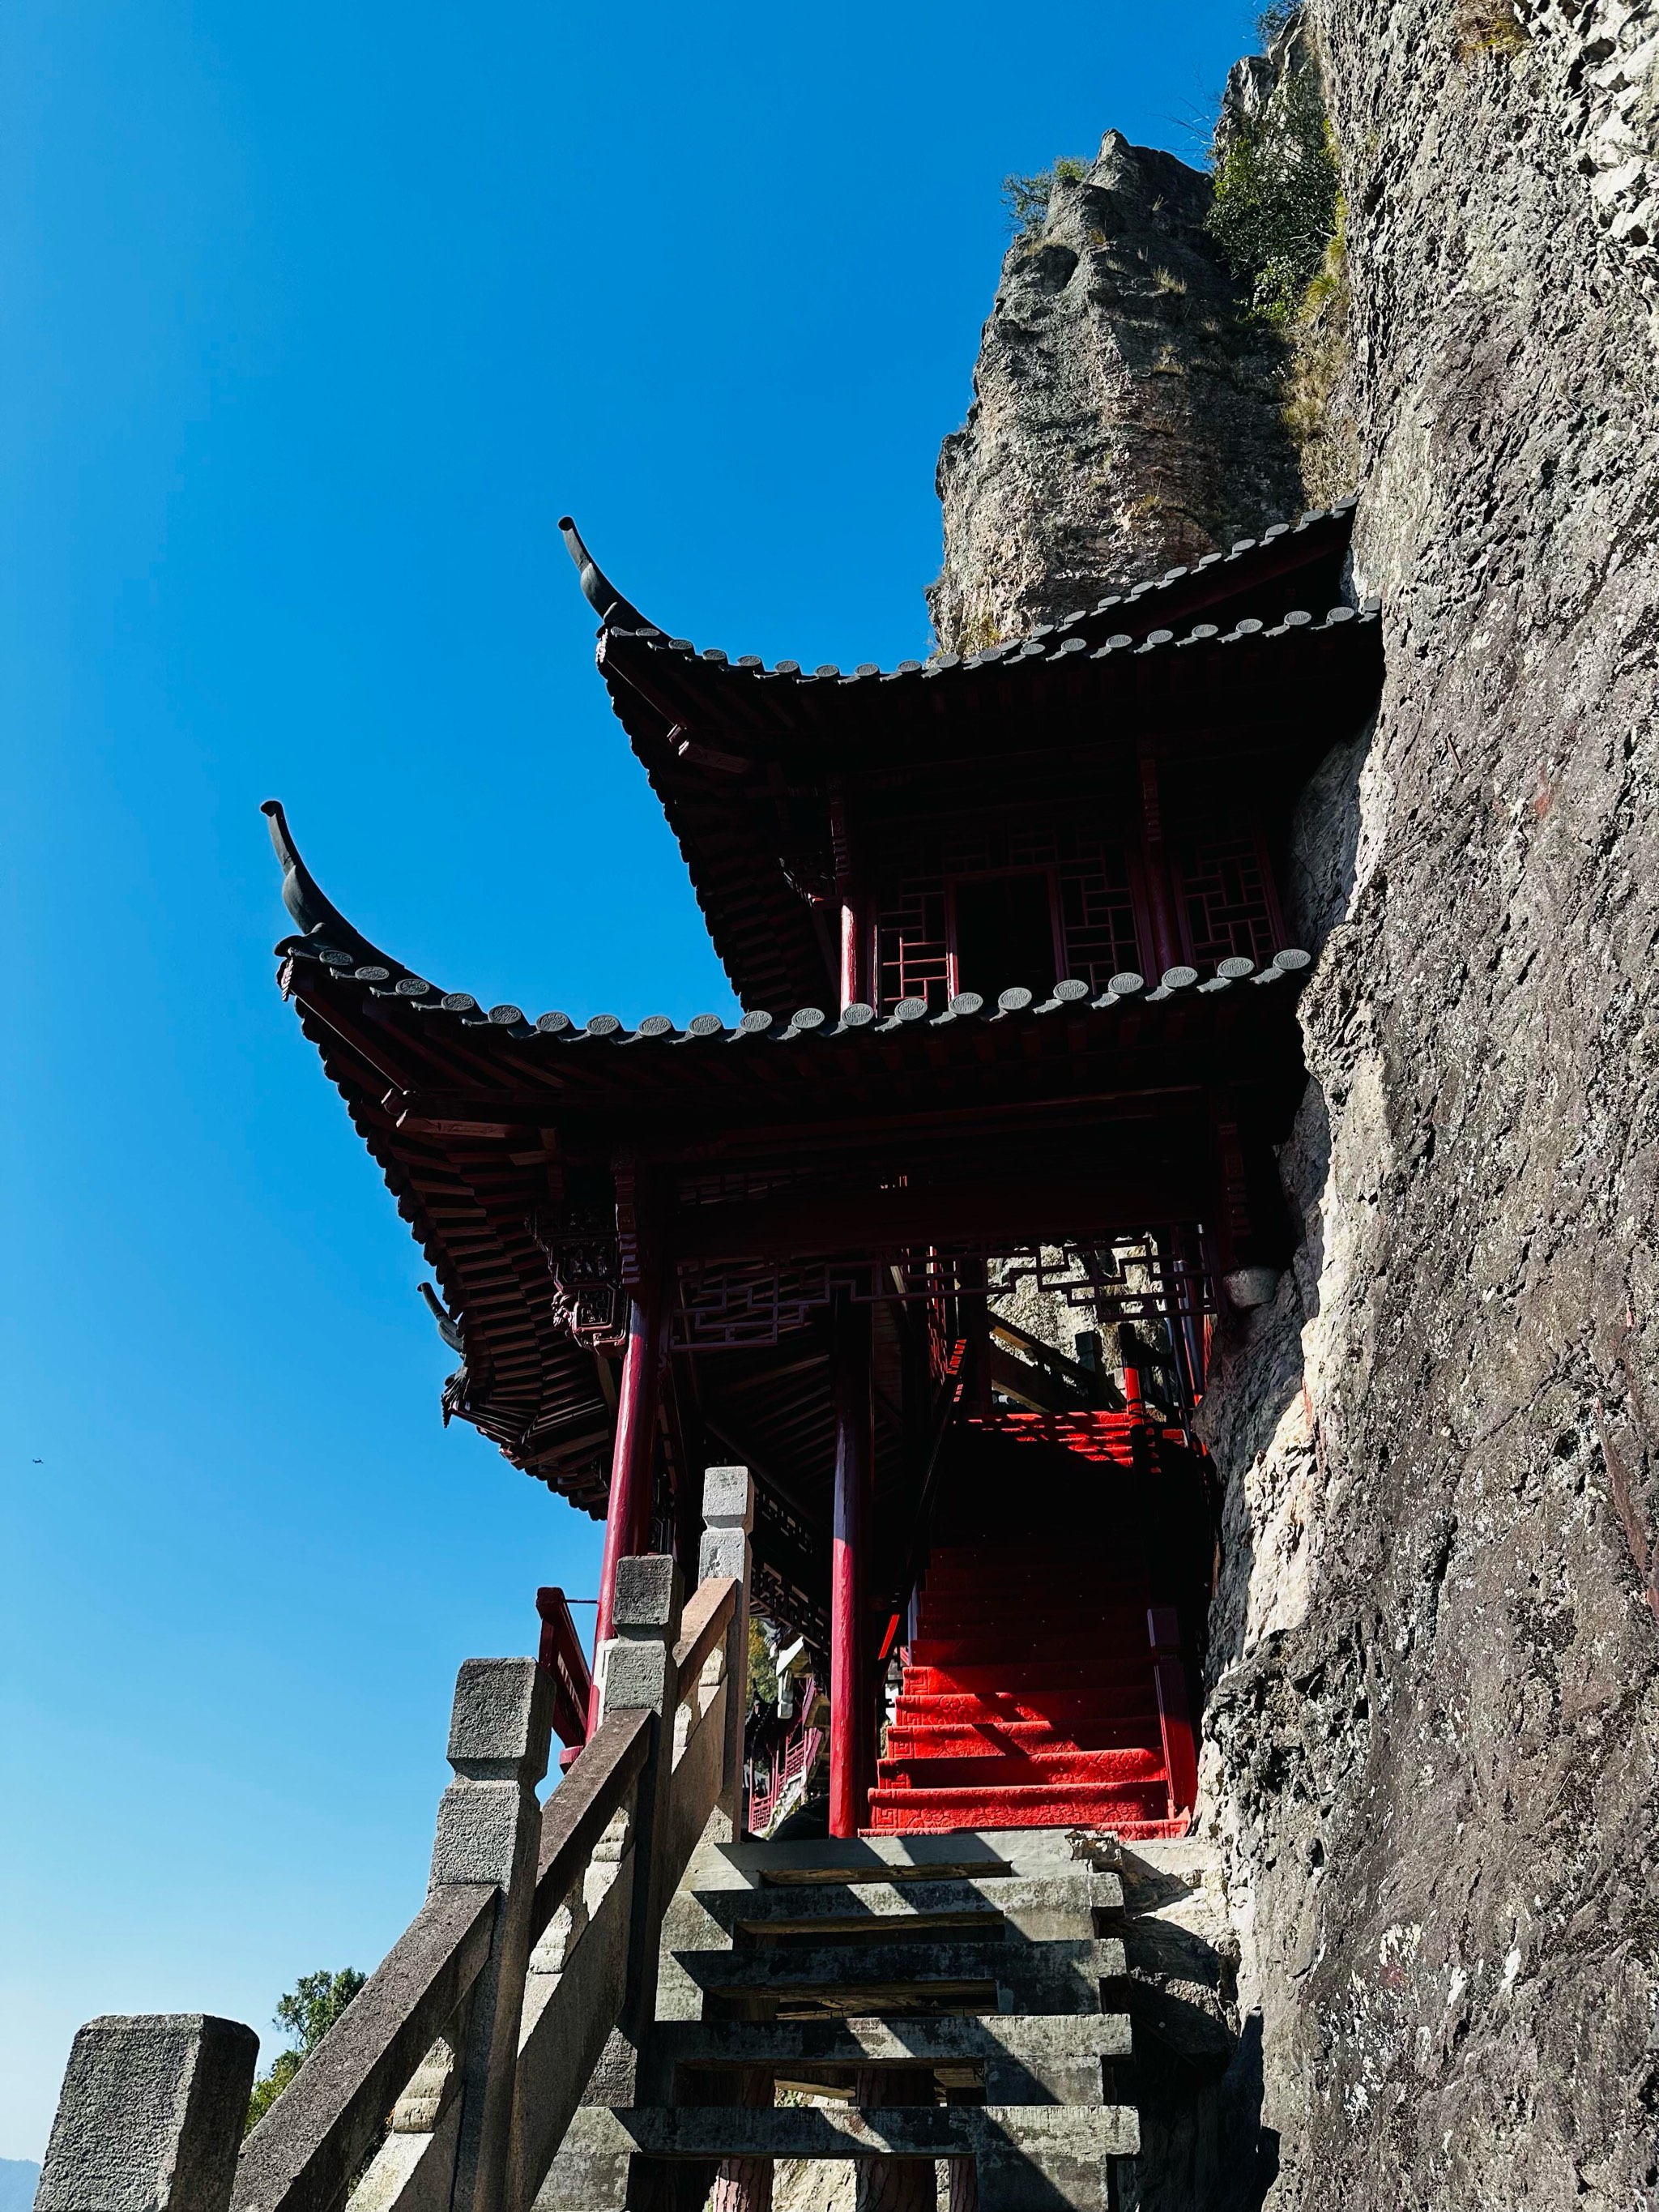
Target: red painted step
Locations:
point(1065, 1710)
point(979, 1738)
point(1136, 1764)
point(1031, 1644)
point(1142, 1809)
point(1015, 1678)
point(1028, 1699)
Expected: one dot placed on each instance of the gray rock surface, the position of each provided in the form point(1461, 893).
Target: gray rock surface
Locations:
point(1123, 419)
point(1432, 1755)
point(1431, 1759)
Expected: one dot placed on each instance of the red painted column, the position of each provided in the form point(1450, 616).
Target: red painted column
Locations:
point(850, 1718)
point(1174, 1715)
point(1129, 1352)
point(850, 923)
point(633, 1461)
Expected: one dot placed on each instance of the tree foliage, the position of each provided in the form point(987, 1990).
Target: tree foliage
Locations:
point(1026, 200)
point(1277, 198)
point(306, 2012)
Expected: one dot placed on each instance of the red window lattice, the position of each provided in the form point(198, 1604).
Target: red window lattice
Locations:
point(1227, 901)
point(1089, 870)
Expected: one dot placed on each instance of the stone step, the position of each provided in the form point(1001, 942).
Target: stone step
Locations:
point(1021, 2058)
point(1062, 1976)
point(1036, 1908)
point(1029, 2158)
point(859, 1859)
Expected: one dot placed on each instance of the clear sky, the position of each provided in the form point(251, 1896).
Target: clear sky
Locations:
point(315, 318)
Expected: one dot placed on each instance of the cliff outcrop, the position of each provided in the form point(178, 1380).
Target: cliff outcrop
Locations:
point(1125, 417)
point(1433, 1721)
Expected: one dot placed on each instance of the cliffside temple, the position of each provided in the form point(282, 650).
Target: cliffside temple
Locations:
point(1018, 1010)
point(1163, 1256)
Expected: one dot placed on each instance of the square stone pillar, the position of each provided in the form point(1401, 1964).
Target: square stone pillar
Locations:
point(150, 2115)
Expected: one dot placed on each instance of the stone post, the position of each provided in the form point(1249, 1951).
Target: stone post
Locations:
point(488, 1831)
point(639, 1676)
point(149, 2117)
point(728, 1512)
point(741, 2184)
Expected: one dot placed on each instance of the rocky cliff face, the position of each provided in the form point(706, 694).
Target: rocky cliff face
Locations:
point(1123, 417)
point(1433, 1741)
point(1431, 1765)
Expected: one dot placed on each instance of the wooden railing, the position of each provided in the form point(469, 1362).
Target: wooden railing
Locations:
point(560, 1655)
point(449, 2081)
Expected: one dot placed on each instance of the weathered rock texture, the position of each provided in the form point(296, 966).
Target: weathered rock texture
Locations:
point(1600, 60)
point(1123, 418)
point(1431, 1741)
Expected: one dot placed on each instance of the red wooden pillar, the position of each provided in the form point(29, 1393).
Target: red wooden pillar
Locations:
point(850, 924)
point(850, 1721)
point(1174, 1714)
point(633, 1461)
point(1130, 1353)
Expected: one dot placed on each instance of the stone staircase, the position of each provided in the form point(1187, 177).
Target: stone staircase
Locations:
point(894, 1998)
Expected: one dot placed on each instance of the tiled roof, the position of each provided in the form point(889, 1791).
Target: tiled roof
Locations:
point(1318, 538)
point(340, 954)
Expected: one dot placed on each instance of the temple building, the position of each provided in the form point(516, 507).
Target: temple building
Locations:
point(934, 1235)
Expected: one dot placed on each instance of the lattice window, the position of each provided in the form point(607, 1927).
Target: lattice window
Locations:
point(1097, 900)
point(911, 960)
point(1227, 900)
point(1097, 913)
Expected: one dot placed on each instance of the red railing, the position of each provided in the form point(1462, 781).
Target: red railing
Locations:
point(562, 1656)
point(772, 1769)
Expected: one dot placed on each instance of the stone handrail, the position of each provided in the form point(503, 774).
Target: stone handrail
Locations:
point(317, 2134)
point(702, 1628)
point(584, 1806)
point(525, 1980)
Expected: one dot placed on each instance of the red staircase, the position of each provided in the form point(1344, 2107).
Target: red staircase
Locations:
point(1034, 1697)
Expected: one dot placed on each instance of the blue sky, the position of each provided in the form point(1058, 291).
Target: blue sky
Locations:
point(315, 320)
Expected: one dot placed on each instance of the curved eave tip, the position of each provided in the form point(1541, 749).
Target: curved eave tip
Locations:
point(601, 594)
point(316, 914)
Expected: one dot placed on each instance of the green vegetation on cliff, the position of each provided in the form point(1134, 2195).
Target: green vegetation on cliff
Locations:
point(1279, 199)
point(1026, 198)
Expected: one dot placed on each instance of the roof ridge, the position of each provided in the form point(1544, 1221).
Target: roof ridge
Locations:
point(610, 604)
point(1033, 648)
point(386, 978)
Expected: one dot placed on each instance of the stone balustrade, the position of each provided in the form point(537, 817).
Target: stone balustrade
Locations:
point(528, 1974)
